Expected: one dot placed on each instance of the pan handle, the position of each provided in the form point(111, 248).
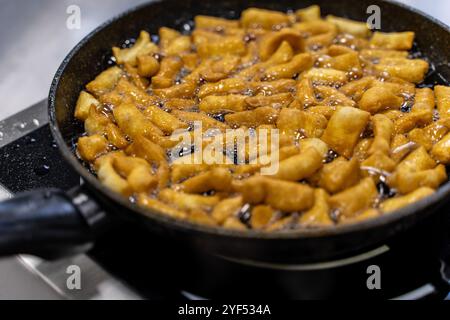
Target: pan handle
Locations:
point(48, 223)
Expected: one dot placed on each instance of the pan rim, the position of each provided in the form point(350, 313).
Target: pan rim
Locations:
point(438, 198)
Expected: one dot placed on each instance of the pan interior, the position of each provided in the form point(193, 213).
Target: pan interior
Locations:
point(93, 54)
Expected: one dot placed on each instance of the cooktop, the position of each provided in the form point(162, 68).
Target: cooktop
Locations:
point(127, 263)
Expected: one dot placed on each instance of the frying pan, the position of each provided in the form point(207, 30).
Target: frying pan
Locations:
point(50, 223)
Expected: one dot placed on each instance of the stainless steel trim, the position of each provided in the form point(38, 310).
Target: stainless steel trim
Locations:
point(311, 267)
point(192, 297)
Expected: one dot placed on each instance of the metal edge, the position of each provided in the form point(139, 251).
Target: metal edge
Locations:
point(98, 283)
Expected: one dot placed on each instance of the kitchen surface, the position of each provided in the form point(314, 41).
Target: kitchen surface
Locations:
point(35, 36)
point(35, 39)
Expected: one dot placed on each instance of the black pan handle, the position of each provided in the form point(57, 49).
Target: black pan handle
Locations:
point(47, 223)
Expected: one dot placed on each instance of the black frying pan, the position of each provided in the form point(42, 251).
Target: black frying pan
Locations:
point(50, 223)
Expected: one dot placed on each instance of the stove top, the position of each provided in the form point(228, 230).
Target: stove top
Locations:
point(131, 264)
